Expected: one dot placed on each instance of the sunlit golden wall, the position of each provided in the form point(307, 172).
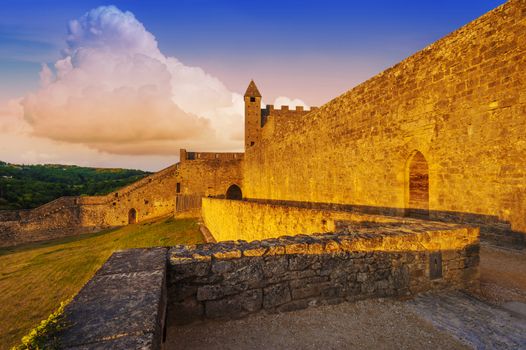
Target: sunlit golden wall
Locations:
point(151, 197)
point(249, 221)
point(461, 102)
point(154, 196)
point(210, 174)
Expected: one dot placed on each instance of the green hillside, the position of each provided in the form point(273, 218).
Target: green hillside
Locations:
point(28, 186)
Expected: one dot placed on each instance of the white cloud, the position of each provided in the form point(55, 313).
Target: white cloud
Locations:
point(114, 91)
point(114, 99)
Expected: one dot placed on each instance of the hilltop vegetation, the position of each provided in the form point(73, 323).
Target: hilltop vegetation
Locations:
point(28, 186)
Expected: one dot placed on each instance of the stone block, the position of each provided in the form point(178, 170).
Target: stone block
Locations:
point(217, 291)
point(275, 266)
point(276, 295)
point(186, 311)
point(222, 266)
point(235, 306)
point(302, 261)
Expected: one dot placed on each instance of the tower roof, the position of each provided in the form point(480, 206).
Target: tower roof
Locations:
point(252, 90)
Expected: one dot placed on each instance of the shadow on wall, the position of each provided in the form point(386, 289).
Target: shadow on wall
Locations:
point(234, 192)
point(492, 228)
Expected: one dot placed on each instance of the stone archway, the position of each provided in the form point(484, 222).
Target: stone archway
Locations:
point(132, 216)
point(234, 192)
point(417, 186)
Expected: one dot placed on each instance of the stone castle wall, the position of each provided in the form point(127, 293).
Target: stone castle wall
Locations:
point(209, 173)
point(229, 280)
point(460, 103)
point(151, 197)
point(56, 219)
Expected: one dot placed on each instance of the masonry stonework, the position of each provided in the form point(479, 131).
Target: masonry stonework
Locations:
point(231, 220)
point(233, 279)
point(459, 106)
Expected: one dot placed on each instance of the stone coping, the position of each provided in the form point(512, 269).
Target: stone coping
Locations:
point(388, 237)
point(123, 306)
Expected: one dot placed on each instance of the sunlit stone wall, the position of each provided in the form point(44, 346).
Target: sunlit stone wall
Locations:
point(233, 279)
point(460, 103)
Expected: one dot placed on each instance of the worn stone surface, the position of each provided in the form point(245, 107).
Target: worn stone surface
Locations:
point(221, 281)
point(122, 306)
point(138, 342)
point(474, 322)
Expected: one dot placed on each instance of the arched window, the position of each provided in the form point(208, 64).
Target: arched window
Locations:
point(234, 192)
point(417, 185)
point(132, 216)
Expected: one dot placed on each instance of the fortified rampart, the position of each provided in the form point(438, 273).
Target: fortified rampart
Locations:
point(284, 112)
point(154, 196)
point(230, 280)
point(440, 134)
point(205, 174)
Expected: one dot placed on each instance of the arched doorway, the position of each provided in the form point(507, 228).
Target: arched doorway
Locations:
point(417, 186)
point(234, 192)
point(132, 216)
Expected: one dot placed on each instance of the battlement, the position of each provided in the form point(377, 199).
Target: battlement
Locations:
point(185, 155)
point(270, 109)
point(285, 111)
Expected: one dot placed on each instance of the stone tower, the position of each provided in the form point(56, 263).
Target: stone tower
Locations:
point(252, 115)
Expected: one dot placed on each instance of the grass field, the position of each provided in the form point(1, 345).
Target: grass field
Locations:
point(35, 278)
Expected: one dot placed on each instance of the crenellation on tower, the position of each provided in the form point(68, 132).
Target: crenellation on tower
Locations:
point(256, 117)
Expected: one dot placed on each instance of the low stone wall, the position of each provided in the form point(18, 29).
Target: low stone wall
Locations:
point(233, 279)
point(122, 307)
point(57, 219)
point(252, 220)
point(232, 220)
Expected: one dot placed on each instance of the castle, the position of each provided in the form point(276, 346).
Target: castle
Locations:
point(385, 191)
point(441, 135)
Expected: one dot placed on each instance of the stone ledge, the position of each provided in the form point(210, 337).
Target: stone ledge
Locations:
point(414, 236)
point(123, 306)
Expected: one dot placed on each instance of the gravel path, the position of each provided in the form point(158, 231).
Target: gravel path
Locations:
point(371, 324)
point(502, 274)
point(479, 324)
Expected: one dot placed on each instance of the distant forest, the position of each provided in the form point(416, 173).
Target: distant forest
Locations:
point(29, 186)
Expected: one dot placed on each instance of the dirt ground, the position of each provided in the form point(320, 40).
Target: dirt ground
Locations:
point(371, 324)
point(502, 274)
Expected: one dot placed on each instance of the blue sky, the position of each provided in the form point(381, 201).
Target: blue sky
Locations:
point(139, 80)
point(284, 45)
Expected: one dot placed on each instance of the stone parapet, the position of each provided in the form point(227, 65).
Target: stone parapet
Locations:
point(123, 306)
point(233, 279)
